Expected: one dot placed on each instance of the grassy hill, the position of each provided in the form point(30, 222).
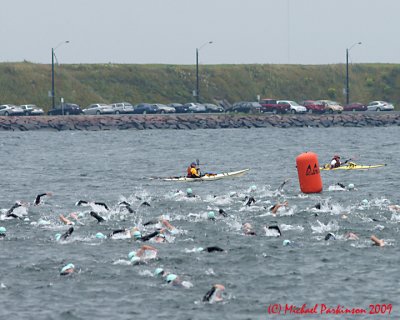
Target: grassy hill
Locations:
point(90, 83)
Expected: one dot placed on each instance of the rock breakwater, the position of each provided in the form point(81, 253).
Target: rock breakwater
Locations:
point(196, 121)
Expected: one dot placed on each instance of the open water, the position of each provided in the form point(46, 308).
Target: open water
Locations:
point(257, 271)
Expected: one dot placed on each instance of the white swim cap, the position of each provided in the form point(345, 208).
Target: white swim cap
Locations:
point(189, 191)
point(350, 186)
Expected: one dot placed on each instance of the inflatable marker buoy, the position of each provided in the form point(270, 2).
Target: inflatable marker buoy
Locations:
point(308, 171)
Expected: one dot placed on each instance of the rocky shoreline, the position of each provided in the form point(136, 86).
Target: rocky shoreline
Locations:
point(196, 121)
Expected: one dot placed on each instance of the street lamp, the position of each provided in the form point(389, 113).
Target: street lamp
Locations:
point(347, 72)
point(52, 70)
point(197, 69)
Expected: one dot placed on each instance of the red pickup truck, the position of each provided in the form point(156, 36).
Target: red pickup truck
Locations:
point(272, 105)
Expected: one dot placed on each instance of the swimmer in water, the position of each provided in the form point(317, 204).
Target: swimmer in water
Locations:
point(3, 231)
point(10, 212)
point(329, 236)
point(377, 242)
point(127, 206)
point(248, 229)
point(210, 249)
point(274, 228)
point(172, 278)
point(249, 200)
point(39, 197)
point(139, 256)
point(67, 270)
point(65, 220)
point(83, 202)
point(274, 209)
point(280, 188)
point(169, 226)
point(222, 213)
point(97, 216)
point(351, 236)
point(65, 235)
point(214, 294)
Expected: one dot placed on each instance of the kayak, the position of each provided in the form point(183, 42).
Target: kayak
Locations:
point(210, 176)
point(351, 166)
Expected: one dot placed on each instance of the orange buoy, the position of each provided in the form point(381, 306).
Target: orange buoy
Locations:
point(308, 171)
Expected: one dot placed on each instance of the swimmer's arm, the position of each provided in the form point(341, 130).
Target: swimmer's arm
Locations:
point(117, 231)
point(167, 224)
point(149, 236)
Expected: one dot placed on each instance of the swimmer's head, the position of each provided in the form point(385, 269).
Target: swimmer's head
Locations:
point(350, 186)
point(136, 234)
point(330, 235)
point(189, 191)
point(3, 232)
point(364, 202)
point(135, 259)
point(253, 188)
point(199, 249)
point(211, 215)
point(286, 242)
point(69, 268)
point(58, 236)
point(171, 277)
point(131, 254)
point(159, 272)
point(100, 235)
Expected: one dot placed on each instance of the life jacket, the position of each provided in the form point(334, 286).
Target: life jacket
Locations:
point(189, 172)
point(337, 163)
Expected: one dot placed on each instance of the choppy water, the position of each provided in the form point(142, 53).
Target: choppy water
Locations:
point(256, 270)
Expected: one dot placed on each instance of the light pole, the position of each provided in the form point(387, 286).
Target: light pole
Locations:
point(347, 72)
point(197, 69)
point(52, 71)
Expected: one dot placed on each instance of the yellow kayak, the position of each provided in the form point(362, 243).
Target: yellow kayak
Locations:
point(351, 166)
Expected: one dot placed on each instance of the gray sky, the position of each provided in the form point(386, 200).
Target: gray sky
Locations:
point(169, 31)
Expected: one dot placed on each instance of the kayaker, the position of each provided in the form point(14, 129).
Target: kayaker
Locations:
point(335, 163)
point(193, 171)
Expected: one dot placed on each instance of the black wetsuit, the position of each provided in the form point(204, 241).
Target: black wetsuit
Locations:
point(37, 199)
point(65, 235)
point(250, 201)
point(222, 212)
point(149, 236)
point(96, 216)
point(209, 294)
point(213, 249)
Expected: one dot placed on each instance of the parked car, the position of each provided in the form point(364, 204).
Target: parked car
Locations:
point(355, 106)
point(11, 110)
point(98, 108)
point(313, 107)
point(246, 107)
point(179, 107)
point(210, 107)
point(330, 106)
point(32, 110)
point(196, 107)
point(65, 109)
point(144, 108)
point(162, 108)
point(122, 107)
point(272, 105)
point(294, 107)
point(380, 106)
